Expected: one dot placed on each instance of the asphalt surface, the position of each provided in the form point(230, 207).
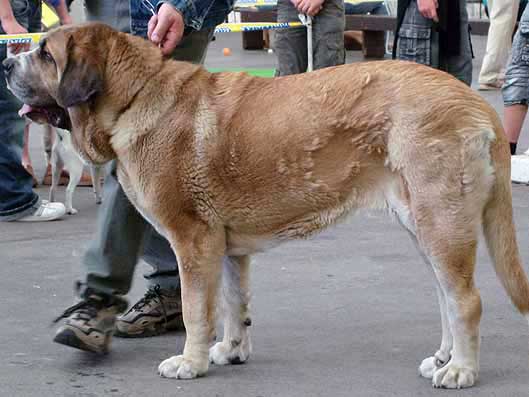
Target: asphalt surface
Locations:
point(351, 312)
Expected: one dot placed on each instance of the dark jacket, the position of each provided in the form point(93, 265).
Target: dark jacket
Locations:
point(198, 14)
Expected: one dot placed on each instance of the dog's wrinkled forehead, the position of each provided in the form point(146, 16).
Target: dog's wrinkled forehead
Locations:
point(55, 44)
point(79, 41)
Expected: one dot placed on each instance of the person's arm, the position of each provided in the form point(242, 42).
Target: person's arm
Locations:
point(11, 26)
point(187, 13)
point(167, 27)
point(200, 13)
point(62, 12)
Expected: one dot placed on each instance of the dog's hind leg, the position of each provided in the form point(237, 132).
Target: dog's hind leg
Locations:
point(398, 201)
point(454, 269)
point(449, 241)
point(96, 172)
point(199, 250)
point(235, 347)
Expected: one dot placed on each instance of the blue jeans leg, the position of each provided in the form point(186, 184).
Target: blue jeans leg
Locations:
point(17, 198)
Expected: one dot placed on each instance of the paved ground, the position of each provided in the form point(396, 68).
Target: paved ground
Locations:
point(349, 313)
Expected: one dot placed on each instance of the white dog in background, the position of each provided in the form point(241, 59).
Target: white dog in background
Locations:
point(63, 155)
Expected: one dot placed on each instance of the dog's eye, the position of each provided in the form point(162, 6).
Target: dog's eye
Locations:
point(45, 55)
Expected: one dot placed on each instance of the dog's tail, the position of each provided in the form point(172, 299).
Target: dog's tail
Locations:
point(498, 227)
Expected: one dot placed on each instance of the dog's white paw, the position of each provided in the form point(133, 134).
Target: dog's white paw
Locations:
point(428, 367)
point(223, 353)
point(452, 376)
point(431, 364)
point(180, 368)
point(99, 200)
point(71, 211)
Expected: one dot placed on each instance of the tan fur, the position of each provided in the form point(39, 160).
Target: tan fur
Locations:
point(229, 164)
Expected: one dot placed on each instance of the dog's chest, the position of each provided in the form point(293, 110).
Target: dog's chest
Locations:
point(136, 198)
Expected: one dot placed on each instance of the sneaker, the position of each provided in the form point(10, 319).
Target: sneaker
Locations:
point(159, 311)
point(90, 323)
point(45, 212)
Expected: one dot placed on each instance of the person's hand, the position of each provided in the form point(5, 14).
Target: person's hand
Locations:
point(62, 11)
point(428, 9)
point(11, 26)
point(308, 7)
point(166, 29)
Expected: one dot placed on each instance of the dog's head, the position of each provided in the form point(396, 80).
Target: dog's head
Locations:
point(66, 71)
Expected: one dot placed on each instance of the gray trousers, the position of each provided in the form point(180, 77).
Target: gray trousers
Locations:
point(418, 42)
point(122, 235)
point(290, 45)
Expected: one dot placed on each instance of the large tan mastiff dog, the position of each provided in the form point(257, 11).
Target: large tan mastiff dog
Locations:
point(228, 165)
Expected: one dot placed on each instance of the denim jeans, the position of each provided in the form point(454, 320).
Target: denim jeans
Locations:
point(122, 235)
point(17, 198)
point(327, 38)
point(516, 88)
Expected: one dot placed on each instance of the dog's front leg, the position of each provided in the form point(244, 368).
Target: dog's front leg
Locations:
point(199, 252)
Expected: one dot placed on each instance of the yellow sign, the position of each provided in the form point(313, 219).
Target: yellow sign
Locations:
point(49, 17)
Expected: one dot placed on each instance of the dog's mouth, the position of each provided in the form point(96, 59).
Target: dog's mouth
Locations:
point(52, 114)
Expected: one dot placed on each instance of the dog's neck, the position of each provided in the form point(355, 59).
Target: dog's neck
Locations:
point(116, 109)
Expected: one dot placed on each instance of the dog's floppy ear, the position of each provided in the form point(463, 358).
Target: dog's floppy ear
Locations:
point(81, 79)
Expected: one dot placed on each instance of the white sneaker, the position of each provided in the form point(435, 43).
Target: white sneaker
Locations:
point(46, 212)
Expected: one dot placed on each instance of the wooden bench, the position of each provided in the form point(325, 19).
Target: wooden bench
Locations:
point(372, 26)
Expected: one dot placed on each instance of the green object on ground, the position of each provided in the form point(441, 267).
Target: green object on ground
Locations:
point(253, 72)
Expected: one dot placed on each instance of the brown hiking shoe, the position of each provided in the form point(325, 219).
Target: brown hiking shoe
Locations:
point(90, 323)
point(159, 311)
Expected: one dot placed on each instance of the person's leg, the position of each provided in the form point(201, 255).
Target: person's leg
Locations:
point(109, 263)
point(17, 198)
point(328, 29)
point(516, 88)
point(502, 15)
point(514, 117)
point(415, 37)
point(290, 45)
point(112, 255)
point(460, 66)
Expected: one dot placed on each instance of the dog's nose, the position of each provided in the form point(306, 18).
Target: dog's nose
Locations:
point(8, 65)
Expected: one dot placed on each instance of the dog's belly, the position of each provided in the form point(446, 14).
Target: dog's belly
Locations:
point(244, 244)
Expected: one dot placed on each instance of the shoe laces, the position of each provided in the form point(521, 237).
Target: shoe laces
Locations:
point(86, 309)
point(153, 294)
